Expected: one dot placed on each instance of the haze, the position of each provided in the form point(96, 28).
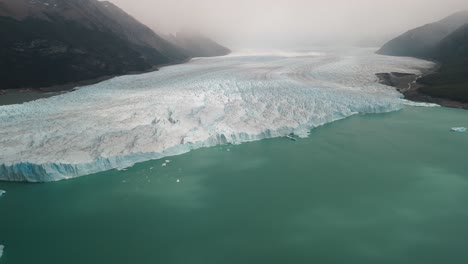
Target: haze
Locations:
point(256, 23)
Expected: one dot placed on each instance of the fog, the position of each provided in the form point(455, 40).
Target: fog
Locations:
point(275, 23)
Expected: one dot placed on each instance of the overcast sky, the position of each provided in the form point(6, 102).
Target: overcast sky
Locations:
point(247, 23)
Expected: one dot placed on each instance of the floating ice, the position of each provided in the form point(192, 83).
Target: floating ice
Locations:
point(459, 129)
point(2, 192)
point(1, 250)
point(164, 165)
point(420, 104)
point(178, 181)
point(207, 102)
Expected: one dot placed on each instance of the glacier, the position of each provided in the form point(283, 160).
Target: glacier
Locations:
point(209, 101)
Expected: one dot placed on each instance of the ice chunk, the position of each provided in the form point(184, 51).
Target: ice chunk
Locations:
point(1, 250)
point(459, 129)
point(420, 104)
point(2, 192)
point(164, 165)
point(178, 181)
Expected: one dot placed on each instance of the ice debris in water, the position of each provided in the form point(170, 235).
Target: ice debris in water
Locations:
point(164, 165)
point(178, 181)
point(1, 250)
point(203, 103)
point(2, 192)
point(167, 161)
point(459, 129)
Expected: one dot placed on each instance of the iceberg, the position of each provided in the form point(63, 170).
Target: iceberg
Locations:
point(458, 129)
point(203, 103)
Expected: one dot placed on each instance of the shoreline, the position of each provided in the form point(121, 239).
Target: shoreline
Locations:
point(24, 95)
point(408, 85)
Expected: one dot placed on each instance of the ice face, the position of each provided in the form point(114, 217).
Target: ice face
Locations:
point(233, 99)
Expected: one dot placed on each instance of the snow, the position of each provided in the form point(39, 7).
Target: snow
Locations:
point(207, 102)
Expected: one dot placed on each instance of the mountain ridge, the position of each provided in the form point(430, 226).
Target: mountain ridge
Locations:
point(54, 42)
point(445, 42)
point(423, 41)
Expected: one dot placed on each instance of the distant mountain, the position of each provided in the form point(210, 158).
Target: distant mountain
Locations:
point(446, 42)
point(423, 41)
point(197, 45)
point(53, 42)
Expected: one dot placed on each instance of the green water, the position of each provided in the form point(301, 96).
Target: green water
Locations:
point(389, 188)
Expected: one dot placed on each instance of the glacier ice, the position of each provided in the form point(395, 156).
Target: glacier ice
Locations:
point(459, 129)
point(206, 102)
point(420, 104)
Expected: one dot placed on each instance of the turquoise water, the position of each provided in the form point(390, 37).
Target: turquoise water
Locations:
point(389, 188)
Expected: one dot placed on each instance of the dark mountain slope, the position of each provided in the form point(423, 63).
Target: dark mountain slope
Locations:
point(451, 80)
point(423, 42)
point(197, 45)
point(446, 42)
point(39, 53)
point(54, 42)
point(139, 34)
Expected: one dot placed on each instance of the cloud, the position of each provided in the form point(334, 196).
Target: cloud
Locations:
point(253, 22)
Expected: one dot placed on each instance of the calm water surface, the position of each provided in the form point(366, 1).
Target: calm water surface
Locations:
point(389, 188)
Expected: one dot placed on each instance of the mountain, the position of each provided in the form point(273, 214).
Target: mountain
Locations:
point(423, 41)
point(53, 42)
point(139, 34)
point(446, 42)
point(197, 45)
point(451, 80)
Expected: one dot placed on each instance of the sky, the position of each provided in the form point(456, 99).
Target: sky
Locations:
point(257, 23)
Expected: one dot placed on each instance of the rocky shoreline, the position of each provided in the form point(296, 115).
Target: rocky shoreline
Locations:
point(16, 96)
point(23, 95)
point(408, 85)
point(45, 92)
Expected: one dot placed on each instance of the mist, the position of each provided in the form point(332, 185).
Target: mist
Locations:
point(266, 23)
